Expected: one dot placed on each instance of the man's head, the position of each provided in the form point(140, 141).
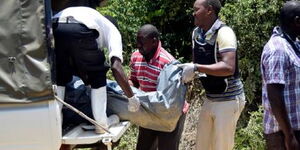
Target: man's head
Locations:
point(147, 40)
point(290, 17)
point(206, 12)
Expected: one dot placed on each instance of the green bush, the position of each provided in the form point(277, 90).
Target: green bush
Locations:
point(252, 21)
point(173, 20)
point(130, 16)
point(129, 139)
point(251, 137)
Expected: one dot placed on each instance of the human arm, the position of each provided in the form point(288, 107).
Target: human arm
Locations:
point(133, 82)
point(276, 99)
point(225, 67)
point(226, 63)
point(133, 103)
point(227, 48)
point(119, 75)
point(274, 64)
point(112, 40)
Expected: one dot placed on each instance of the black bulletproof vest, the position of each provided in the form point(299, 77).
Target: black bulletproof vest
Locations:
point(205, 53)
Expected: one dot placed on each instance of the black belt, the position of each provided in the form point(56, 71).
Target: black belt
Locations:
point(69, 19)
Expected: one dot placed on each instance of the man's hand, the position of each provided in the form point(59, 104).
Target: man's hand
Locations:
point(133, 104)
point(291, 143)
point(188, 72)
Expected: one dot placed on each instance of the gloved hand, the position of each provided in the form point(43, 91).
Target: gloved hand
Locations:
point(188, 72)
point(133, 104)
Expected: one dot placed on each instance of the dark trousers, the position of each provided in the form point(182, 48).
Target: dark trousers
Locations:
point(77, 53)
point(275, 141)
point(151, 140)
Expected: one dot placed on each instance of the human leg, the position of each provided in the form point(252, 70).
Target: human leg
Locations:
point(146, 139)
point(89, 61)
point(99, 102)
point(204, 137)
point(226, 117)
point(275, 141)
point(171, 140)
point(63, 67)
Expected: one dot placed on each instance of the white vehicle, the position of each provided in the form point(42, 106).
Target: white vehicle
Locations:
point(30, 118)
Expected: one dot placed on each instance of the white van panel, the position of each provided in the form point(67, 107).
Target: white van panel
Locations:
point(33, 126)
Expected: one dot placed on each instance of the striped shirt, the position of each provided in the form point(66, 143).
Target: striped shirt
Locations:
point(235, 88)
point(281, 65)
point(146, 73)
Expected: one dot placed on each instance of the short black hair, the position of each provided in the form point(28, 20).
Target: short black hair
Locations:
point(215, 4)
point(150, 31)
point(288, 12)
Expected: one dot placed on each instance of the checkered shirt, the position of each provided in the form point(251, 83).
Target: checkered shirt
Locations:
point(146, 73)
point(281, 65)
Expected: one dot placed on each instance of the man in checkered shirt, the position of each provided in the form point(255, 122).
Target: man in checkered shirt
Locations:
point(280, 67)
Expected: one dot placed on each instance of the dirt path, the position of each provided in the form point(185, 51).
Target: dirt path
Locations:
point(188, 137)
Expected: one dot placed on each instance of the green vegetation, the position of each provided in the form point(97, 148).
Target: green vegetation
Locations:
point(128, 141)
point(251, 136)
point(252, 21)
point(174, 20)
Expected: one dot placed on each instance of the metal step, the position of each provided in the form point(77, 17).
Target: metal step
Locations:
point(79, 135)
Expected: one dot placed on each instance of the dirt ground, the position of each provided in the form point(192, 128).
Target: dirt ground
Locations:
point(188, 137)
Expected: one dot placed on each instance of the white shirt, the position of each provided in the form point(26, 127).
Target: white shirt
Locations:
point(109, 35)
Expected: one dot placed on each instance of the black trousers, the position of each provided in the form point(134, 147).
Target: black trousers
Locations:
point(275, 141)
point(77, 53)
point(152, 140)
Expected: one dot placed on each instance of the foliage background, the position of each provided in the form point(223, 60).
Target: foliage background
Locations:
point(252, 21)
